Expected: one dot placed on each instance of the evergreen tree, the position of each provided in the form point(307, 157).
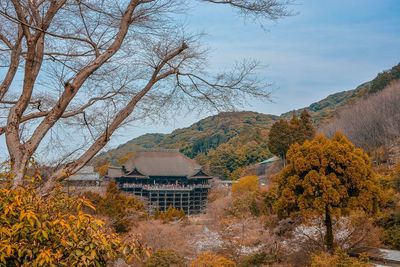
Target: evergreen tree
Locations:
point(326, 178)
point(283, 133)
point(279, 138)
point(306, 126)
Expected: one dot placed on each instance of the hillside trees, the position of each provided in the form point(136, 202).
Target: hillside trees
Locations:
point(384, 78)
point(327, 178)
point(228, 160)
point(283, 133)
point(76, 71)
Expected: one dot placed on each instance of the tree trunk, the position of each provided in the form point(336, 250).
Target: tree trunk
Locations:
point(329, 230)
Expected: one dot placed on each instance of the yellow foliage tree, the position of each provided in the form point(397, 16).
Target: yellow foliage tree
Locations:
point(245, 193)
point(102, 169)
point(327, 177)
point(209, 259)
point(246, 184)
point(53, 232)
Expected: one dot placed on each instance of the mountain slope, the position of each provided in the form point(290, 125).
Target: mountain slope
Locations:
point(200, 137)
point(213, 131)
point(327, 108)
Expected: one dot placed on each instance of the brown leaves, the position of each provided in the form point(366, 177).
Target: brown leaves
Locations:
point(324, 172)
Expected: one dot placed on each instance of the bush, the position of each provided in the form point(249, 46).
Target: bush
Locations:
point(391, 225)
point(165, 258)
point(246, 197)
point(54, 231)
point(339, 259)
point(209, 259)
point(256, 260)
point(116, 206)
point(171, 214)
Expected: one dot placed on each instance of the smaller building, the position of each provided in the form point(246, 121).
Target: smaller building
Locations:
point(84, 177)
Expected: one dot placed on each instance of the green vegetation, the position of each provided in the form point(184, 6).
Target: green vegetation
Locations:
point(229, 160)
point(256, 260)
point(324, 110)
point(199, 138)
point(384, 78)
point(229, 142)
point(285, 133)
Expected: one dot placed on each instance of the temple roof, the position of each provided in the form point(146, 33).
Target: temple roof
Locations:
point(166, 162)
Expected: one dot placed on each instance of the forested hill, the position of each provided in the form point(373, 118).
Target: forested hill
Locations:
point(324, 110)
point(198, 138)
point(213, 131)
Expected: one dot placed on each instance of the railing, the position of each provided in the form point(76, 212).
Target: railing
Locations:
point(164, 187)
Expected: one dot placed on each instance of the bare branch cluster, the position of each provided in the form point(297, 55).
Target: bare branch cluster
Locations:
point(76, 71)
point(372, 122)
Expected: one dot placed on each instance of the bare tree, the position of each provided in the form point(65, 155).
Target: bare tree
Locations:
point(371, 122)
point(85, 68)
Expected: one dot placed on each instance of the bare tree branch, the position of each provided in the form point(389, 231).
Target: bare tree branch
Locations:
point(94, 66)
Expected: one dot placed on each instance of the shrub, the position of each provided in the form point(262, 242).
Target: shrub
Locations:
point(171, 214)
point(390, 222)
point(165, 258)
point(116, 206)
point(256, 260)
point(54, 231)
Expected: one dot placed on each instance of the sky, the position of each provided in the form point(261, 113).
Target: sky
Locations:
point(327, 47)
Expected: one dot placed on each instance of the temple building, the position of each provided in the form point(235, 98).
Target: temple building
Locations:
point(164, 178)
point(84, 177)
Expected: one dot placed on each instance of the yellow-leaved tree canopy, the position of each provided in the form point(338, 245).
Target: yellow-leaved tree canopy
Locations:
point(54, 231)
point(327, 177)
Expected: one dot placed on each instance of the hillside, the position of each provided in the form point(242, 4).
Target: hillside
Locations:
point(213, 131)
point(200, 137)
point(327, 108)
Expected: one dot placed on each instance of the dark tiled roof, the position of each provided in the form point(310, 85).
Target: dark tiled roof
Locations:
point(162, 163)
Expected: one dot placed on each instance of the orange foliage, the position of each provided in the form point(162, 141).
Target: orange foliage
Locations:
point(327, 177)
point(102, 170)
point(245, 184)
